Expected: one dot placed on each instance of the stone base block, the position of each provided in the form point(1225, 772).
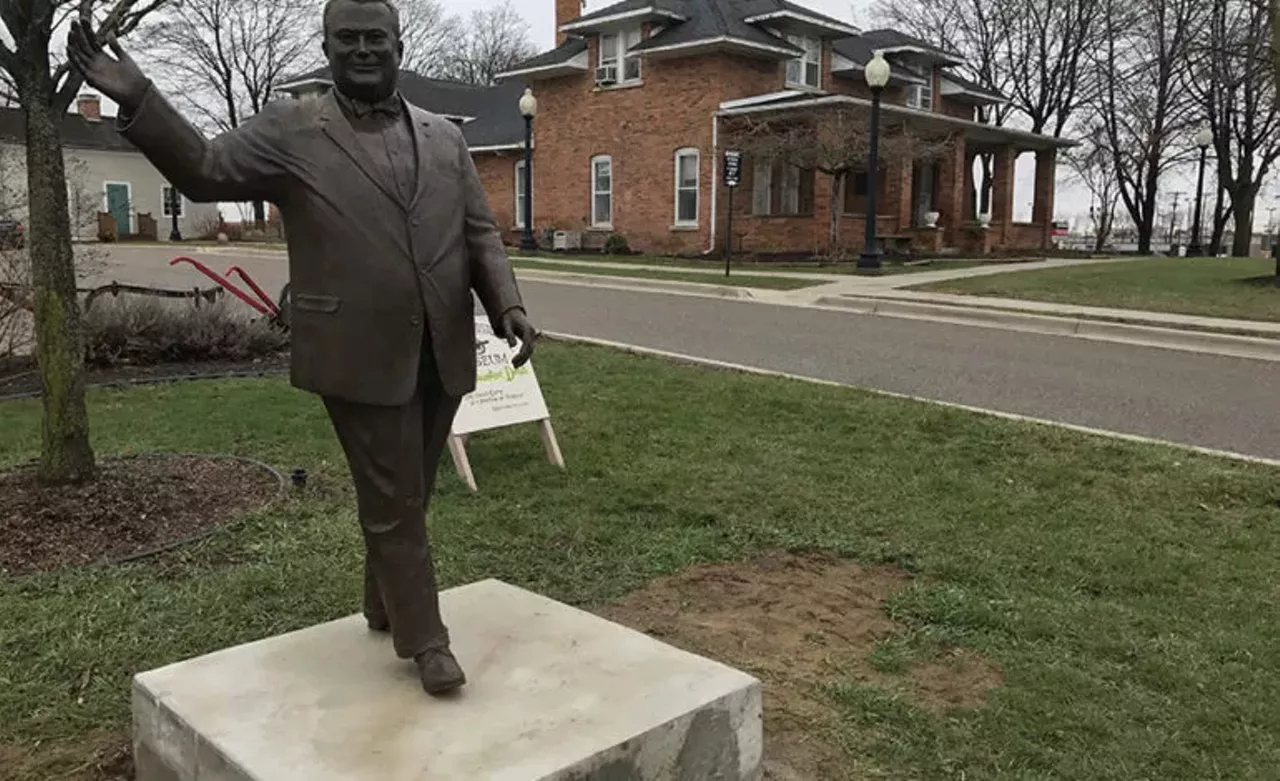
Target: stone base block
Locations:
point(553, 693)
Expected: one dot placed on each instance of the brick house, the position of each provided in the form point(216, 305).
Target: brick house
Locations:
point(633, 100)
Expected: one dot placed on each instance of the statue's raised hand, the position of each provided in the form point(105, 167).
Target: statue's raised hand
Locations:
point(118, 78)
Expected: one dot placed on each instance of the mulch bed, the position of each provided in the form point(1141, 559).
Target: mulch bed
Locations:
point(135, 506)
point(18, 378)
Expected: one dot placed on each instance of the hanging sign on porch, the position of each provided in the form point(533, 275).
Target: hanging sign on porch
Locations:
point(732, 168)
point(504, 396)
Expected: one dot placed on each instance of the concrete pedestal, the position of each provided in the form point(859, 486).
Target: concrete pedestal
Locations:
point(553, 693)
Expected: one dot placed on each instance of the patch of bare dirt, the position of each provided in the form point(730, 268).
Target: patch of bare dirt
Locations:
point(105, 756)
point(797, 622)
point(135, 505)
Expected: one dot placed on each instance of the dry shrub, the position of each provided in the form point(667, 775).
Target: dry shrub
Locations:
point(145, 330)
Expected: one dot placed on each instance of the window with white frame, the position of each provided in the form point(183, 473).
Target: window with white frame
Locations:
point(602, 192)
point(521, 190)
point(687, 161)
point(613, 52)
point(920, 96)
point(779, 189)
point(805, 70)
point(167, 195)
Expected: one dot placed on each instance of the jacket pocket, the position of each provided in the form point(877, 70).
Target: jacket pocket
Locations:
point(311, 303)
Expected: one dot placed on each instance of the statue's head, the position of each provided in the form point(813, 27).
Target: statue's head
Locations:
point(362, 42)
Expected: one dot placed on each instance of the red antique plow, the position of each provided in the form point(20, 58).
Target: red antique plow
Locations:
point(276, 313)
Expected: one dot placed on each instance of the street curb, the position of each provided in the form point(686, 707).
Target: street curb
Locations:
point(712, 363)
point(1253, 347)
point(634, 283)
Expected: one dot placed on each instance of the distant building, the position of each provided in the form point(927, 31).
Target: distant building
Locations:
point(105, 174)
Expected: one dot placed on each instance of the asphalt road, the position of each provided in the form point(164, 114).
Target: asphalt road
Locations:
point(1206, 400)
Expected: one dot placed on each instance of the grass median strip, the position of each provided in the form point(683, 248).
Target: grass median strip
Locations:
point(1113, 603)
point(1240, 288)
point(734, 280)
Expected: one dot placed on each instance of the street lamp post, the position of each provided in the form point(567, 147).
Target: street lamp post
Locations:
point(528, 110)
point(1194, 248)
point(175, 203)
point(877, 74)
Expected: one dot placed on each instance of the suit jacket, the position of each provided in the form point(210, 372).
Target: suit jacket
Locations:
point(371, 275)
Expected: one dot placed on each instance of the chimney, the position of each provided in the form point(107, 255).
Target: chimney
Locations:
point(566, 11)
point(90, 107)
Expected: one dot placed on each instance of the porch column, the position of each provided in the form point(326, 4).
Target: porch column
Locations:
point(970, 212)
point(1002, 180)
point(1046, 187)
point(951, 191)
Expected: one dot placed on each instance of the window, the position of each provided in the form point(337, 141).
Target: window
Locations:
point(804, 71)
point(920, 96)
point(855, 192)
point(687, 187)
point(166, 201)
point(613, 52)
point(779, 189)
point(602, 192)
point(521, 173)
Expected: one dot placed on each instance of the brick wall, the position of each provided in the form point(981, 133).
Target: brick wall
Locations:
point(640, 128)
point(498, 175)
point(956, 108)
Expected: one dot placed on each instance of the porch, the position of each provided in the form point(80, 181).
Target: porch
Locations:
point(923, 206)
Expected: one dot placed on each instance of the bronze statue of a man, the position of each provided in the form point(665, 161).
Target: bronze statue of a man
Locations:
point(389, 232)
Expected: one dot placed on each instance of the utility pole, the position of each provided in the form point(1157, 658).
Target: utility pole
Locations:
point(1173, 222)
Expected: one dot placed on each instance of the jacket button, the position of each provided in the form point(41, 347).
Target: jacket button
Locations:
point(415, 321)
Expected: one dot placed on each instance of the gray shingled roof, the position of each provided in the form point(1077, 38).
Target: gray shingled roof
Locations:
point(77, 132)
point(887, 39)
point(496, 112)
point(563, 53)
point(674, 6)
point(974, 86)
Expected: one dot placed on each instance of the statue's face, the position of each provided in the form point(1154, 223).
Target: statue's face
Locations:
point(364, 49)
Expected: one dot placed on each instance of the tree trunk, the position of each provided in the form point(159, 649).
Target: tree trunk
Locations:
point(1219, 224)
point(66, 455)
point(259, 215)
point(833, 228)
point(984, 196)
point(1242, 211)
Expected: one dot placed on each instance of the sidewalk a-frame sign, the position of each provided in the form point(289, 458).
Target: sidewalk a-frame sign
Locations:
point(504, 396)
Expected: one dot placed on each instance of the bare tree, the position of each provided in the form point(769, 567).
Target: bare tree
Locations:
point(1233, 82)
point(493, 40)
point(45, 88)
point(223, 59)
point(1142, 106)
point(834, 141)
point(1044, 46)
point(1092, 166)
point(430, 36)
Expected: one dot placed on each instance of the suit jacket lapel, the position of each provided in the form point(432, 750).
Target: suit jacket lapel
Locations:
point(428, 172)
point(338, 128)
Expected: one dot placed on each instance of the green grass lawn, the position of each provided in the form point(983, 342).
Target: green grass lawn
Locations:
point(735, 280)
point(1126, 592)
point(1211, 287)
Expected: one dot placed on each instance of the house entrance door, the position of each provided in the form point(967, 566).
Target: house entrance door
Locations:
point(118, 206)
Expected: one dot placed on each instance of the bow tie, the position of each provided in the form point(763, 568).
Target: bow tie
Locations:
point(390, 107)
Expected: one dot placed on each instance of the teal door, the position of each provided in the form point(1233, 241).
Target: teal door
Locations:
point(118, 206)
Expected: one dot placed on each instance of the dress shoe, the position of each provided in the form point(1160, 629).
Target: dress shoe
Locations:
point(439, 671)
point(378, 624)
